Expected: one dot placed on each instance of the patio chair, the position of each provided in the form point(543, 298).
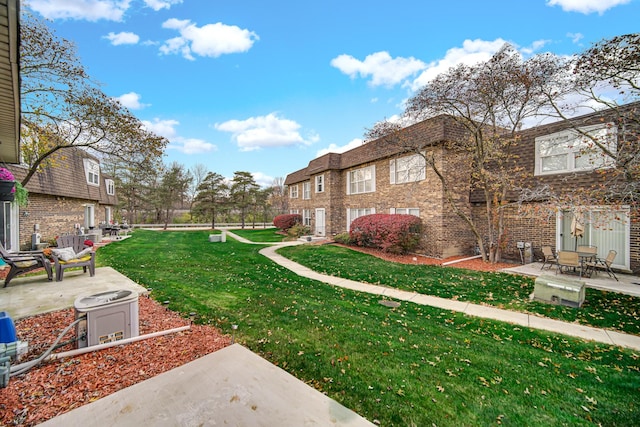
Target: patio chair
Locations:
point(72, 252)
point(23, 262)
point(568, 260)
point(605, 264)
point(548, 257)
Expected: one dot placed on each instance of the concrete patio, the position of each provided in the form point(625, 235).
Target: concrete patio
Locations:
point(626, 283)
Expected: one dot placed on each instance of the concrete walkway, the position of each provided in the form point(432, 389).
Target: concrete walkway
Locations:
point(517, 318)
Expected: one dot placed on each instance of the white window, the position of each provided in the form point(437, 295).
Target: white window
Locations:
point(406, 211)
point(92, 171)
point(306, 190)
point(293, 191)
point(407, 169)
point(107, 214)
point(111, 186)
point(356, 213)
point(361, 180)
point(294, 211)
point(319, 183)
point(569, 151)
point(306, 217)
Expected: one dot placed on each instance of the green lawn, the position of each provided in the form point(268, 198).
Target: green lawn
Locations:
point(601, 309)
point(404, 366)
point(266, 235)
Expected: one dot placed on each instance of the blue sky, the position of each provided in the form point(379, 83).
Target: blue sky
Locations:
point(266, 86)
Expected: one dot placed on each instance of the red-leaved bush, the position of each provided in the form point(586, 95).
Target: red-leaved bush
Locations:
point(393, 233)
point(286, 221)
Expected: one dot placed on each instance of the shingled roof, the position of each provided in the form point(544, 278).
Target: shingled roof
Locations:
point(66, 178)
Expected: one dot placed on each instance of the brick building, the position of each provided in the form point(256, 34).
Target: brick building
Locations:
point(380, 177)
point(74, 191)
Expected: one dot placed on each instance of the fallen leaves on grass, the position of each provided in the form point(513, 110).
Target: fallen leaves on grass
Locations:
point(60, 386)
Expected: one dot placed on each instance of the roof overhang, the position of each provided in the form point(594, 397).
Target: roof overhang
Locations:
point(9, 81)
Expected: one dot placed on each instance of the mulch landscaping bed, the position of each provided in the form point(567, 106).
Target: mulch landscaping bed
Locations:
point(60, 386)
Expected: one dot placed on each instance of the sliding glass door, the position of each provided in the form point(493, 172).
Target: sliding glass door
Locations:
point(605, 227)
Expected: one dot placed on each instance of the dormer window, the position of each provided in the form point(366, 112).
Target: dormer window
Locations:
point(92, 172)
point(111, 187)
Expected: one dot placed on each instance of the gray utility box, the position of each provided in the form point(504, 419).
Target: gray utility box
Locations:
point(106, 317)
point(559, 291)
point(218, 237)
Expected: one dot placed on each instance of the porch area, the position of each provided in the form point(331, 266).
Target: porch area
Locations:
point(627, 284)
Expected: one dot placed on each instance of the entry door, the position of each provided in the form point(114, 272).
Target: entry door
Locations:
point(320, 227)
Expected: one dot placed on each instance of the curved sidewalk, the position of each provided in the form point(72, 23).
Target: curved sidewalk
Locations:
point(517, 318)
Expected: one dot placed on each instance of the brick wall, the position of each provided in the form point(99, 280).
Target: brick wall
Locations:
point(55, 215)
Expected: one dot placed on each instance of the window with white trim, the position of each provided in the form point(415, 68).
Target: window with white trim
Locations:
point(306, 217)
point(319, 183)
point(407, 169)
point(293, 191)
point(569, 151)
point(294, 211)
point(306, 190)
point(406, 211)
point(361, 180)
point(92, 171)
point(111, 186)
point(356, 213)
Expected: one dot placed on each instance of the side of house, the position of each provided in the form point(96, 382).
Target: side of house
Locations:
point(383, 177)
point(73, 192)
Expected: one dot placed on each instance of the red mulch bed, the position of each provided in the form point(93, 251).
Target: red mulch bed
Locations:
point(60, 386)
point(472, 264)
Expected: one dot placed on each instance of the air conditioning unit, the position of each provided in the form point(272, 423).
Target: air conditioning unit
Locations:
point(106, 317)
point(561, 291)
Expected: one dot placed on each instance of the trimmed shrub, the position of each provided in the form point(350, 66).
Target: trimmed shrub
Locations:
point(343, 238)
point(286, 221)
point(298, 230)
point(393, 233)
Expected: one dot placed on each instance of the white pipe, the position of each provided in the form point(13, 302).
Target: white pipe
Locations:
point(460, 260)
point(83, 350)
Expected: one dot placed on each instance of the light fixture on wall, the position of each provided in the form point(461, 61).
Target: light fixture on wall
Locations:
point(25, 213)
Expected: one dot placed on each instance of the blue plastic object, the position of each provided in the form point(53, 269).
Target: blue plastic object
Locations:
point(7, 328)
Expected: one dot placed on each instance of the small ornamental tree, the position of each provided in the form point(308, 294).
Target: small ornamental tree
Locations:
point(394, 233)
point(286, 221)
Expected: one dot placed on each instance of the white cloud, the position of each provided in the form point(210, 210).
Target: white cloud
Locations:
point(161, 4)
point(586, 6)
point(472, 52)
point(167, 129)
point(211, 40)
point(192, 145)
point(262, 179)
point(380, 66)
point(122, 38)
point(90, 10)
point(575, 37)
point(131, 100)
point(255, 133)
point(333, 148)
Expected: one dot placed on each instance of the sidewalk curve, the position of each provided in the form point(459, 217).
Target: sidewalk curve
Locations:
point(514, 317)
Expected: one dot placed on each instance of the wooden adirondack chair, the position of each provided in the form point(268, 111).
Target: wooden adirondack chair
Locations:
point(75, 243)
point(22, 262)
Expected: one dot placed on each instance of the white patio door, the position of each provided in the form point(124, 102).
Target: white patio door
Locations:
point(604, 227)
point(320, 224)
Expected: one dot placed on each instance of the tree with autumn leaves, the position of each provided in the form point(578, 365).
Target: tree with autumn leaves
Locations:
point(62, 107)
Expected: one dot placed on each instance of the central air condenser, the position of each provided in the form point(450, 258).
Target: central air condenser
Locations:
point(106, 317)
